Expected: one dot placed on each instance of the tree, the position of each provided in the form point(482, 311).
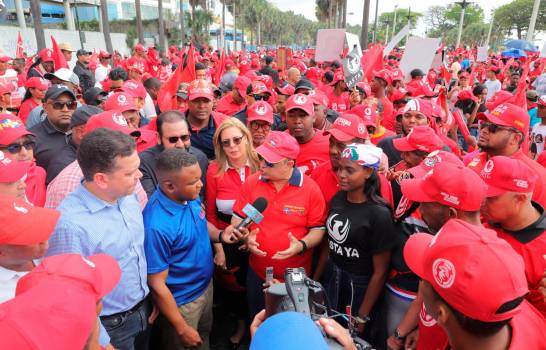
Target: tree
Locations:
point(199, 21)
point(441, 20)
point(517, 15)
point(106, 26)
point(140, 30)
point(435, 18)
point(472, 14)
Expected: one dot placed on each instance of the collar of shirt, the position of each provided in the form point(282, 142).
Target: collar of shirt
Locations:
point(50, 129)
point(529, 233)
point(242, 170)
point(296, 179)
point(210, 125)
point(7, 275)
point(176, 208)
point(92, 202)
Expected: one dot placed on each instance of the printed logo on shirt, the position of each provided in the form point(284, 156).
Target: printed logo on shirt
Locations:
point(488, 167)
point(20, 209)
point(338, 230)
point(202, 214)
point(443, 272)
point(293, 210)
point(426, 319)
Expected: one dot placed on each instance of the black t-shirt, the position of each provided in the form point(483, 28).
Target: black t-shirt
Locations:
point(357, 232)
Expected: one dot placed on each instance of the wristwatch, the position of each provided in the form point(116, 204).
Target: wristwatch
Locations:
point(398, 336)
point(304, 248)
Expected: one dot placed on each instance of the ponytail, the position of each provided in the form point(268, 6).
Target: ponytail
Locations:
point(372, 189)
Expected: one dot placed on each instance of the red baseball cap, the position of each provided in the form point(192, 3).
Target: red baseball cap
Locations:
point(338, 76)
point(431, 160)
point(134, 88)
point(464, 75)
point(419, 105)
point(449, 184)
point(499, 97)
point(287, 89)
point(12, 170)
point(104, 54)
point(200, 88)
point(466, 95)
point(300, 101)
point(139, 47)
point(121, 102)
point(260, 110)
point(399, 94)
point(319, 98)
point(4, 90)
point(46, 55)
point(53, 315)
point(135, 64)
point(504, 174)
point(507, 114)
point(259, 87)
point(384, 74)
point(278, 146)
point(5, 59)
point(241, 83)
point(466, 264)
point(347, 127)
point(367, 113)
point(419, 88)
point(113, 120)
point(267, 80)
point(421, 138)
point(11, 128)
point(99, 273)
point(364, 87)
point(397, 75)
point(23, 223)
point(37, 83)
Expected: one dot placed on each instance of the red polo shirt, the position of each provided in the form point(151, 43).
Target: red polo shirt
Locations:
point(339, 103)
point(477, 163)
point(298, 207)
point(313, 153)
point(431, 335)
point(388, 113)
point(227, 106)
point(36, 188)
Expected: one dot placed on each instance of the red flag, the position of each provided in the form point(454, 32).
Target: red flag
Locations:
point(461, 123)
point(184, 73)
point(445, 74)
point(507, 65)
point(220, 68)
point(20, 50)
point(58, 57)
point(372, 60)
point(520, 94)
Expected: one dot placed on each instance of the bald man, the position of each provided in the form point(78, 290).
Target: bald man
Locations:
point(293, 76)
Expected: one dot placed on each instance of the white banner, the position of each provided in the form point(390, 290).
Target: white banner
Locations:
point(394, 41)
point(419, 53)
point(482, 53)
point(330, 44)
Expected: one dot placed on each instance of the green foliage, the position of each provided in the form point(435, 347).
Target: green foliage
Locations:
point(517, 15)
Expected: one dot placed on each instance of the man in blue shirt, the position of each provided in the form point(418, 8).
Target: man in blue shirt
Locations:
point(179, 254)
point(103, 215)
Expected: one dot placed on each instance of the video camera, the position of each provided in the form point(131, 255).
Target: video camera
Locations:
point(301, 294)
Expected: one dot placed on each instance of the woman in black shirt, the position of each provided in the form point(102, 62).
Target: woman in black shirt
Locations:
point(360, 238)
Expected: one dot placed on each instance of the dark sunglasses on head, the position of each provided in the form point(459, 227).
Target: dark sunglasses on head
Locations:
point(261, 98)
point(183, 138)
point(59, 106)
point(236, 141)
point(15, 148)
point(493, 128)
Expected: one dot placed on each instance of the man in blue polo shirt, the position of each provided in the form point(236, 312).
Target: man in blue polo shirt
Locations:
point(179, 254)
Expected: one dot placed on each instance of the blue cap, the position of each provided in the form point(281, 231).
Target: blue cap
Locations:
point(288, 331)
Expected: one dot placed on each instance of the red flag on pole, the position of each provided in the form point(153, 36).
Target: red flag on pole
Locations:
point(520, 99)
point(184, 73)
point(372, 60)
point(220, 68)
point(58, 57)
point(20, 50)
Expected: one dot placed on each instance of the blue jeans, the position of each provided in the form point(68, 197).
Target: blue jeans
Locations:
point(129, 330)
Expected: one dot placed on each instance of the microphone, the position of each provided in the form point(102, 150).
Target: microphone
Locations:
point(253, 212)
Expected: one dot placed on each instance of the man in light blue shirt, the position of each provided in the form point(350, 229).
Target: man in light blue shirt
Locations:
point(103, 215)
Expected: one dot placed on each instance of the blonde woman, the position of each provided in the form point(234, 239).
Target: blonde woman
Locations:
point(235, 161)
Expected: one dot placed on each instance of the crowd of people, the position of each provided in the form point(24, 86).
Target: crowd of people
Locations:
point(124, 183)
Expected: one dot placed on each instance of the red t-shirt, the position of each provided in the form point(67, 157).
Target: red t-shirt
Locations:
point(431, 335)
point(24, 110)
point(297, 208)
point(327, 89)
point(36, 188)
point(380, 135)
point(388, 114)
point(313, 153)
point(147, 139)
point(477, 163)
point(229, 107)
point(339, 103)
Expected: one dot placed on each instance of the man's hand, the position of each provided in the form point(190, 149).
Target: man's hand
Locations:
point(294, 248)
point(394, 344)
point(189, 337)
point(252, 245)
point(232, 235)
point(411, 340)
point(154, 314)
point(220, 259)
point(340, 334)
point(256, 322)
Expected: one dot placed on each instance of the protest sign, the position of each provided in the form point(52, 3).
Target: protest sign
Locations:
point(352, 68)
point(419, 53)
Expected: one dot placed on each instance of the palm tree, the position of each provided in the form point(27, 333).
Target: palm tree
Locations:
point(37, 19)
point(106, 26)
point(161, 22)
point(140, 29)
point(199, 22)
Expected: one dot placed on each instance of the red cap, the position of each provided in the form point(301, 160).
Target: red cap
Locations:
point(319, 98)
point(12, 170)
point(419, 105)
point(113, 120)
point(23, 223)
point(466, 95)
point(267, 80)
point(499, 97)
point(99, 273)
point(365, 87)
point(4, 90)
point(241, 83)
point(504, 174)
point(300, 101)
point(70, 313)
point(287, 90)
point(449, 184)
point(466, 264)
point(134, 88)
point(278, 146)
point(11, 128)
point(419, 88)
point(37, 83)
point(431, 160)
point(399, 94)
point(397, 75)
point(313, 73)
point(139, 47)
point(5, 59)
point(368, 114)
point(464, 75)
point(200, 88)
point(338, 76)
point(46, 55)
point(420, 138)
point(135, 64)
point(384, 74)
point(347, 127)
point(104, 54)
point(259, 87)
point(507, 114)
point(121, 102)
point(260, 110)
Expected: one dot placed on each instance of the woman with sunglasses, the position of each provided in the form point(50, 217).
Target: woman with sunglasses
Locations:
point(35, 93)
point(361, 235)
point(235, 161)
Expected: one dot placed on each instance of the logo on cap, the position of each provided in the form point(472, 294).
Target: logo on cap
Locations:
point(261, 110)
point(361, 128)
point(300, 99)
point(487, 168)
point(89, 262)
point(343, 122)
point(450, 198)
point(131, 85)
point(443, 272)
point(10, 123)
point(119, 119)
point(431, 160)
point(122, 99)
point(521, 183)
point(20, 209)
point(499, 110)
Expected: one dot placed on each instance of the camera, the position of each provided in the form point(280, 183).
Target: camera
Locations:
point(301, 294)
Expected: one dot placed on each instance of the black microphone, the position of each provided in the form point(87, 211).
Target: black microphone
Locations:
point(253, 212)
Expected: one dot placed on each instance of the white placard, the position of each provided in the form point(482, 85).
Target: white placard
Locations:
point(419, 53)
point(482, 53)
point(394, 41)
point(352, 40)
point(543, 52)
point(330, 44)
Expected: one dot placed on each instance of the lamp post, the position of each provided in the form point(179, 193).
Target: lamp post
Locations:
point(463, 5)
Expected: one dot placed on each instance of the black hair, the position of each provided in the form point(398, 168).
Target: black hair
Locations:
point(174, 159)
point(152, 83)
point(335, 65)
point(268, 60)
point(171, 116)
point(478, 89)
point(372, 189)
point(118, 73)
point(27, 95)
point(329, 76)
point(99, 149)
point(200, 66)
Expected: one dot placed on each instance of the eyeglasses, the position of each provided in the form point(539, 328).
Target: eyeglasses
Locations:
point(261, 97)
point(493, 128)
point(174, 139)
point(15, 148)
point(264, 126)
point(59, 106)
point(266, 163)
point(236, 141)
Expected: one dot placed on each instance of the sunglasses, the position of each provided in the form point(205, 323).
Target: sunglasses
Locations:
point(261, 98)
point(264, 126)
point(266, 163)
point(15, 148)
point(493, 128)
point(59, 106)
point(236, 141)
point(174, 139)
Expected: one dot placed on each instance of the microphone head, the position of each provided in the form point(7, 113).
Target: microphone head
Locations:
point(260, 204)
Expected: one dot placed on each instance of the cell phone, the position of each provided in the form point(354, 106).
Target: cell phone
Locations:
point(268, 274)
